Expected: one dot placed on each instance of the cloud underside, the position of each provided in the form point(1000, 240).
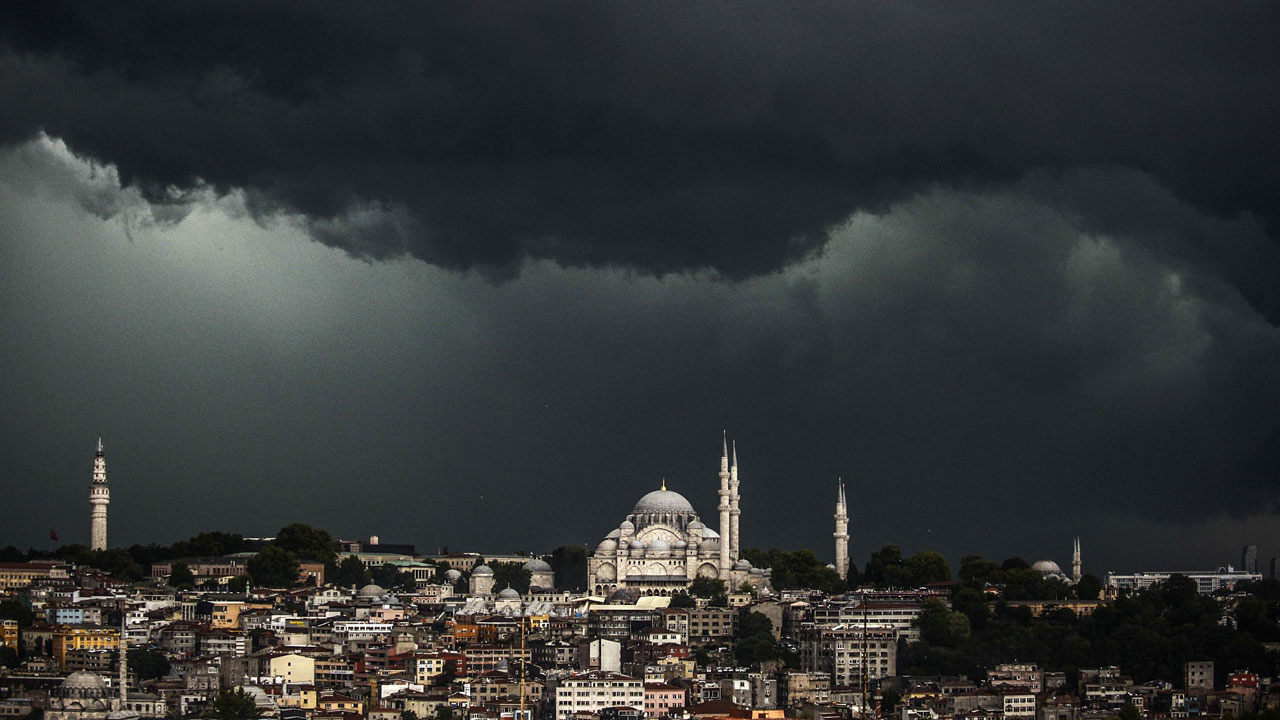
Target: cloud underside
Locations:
point(662, 138)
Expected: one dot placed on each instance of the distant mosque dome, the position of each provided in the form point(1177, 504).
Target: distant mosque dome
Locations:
point(82, 680)
point(371, 591)
point(508, 594)
point(742, 565)
point(662, 501)
point(452, 575)
point(1047, 567)
point(607, 545)
point(537, 565)
point(481, 570)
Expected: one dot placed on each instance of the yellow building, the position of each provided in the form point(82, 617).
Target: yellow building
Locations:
point(293, 668)
point(226, 613)
point(9, 634)
point(82, 637)
point(16, 576)
point(339, 703)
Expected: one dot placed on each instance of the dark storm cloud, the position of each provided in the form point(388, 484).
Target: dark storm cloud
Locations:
point(992, 371)
point(658, 136)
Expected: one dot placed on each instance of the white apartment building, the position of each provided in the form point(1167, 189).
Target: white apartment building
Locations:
point(595, 691)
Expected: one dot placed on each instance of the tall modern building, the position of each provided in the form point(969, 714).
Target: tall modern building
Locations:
point(99, 498)
point(842, 532)
point(1249, 559)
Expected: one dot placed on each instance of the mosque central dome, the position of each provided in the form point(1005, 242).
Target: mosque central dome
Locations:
point(662, 501)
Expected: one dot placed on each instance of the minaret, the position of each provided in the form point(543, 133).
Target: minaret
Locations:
point(99, 498)
point(734, 544)
point(1075, 561)
point(124, 654)
point(724, 513)
point(842, 532)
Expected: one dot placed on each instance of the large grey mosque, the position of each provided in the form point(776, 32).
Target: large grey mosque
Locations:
point(662, 546)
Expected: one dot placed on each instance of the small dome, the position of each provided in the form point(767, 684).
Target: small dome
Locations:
point(742, 565)
point(1047, 567)
point(662, 501)
point(709, 533)
point(481, 570)
point(452, 575)
point(636, 545)
point(82, 680)
point(659, 544)
point(537, 565)
point(626, 525)
point(508, 594)
point(607, 545)
point(370, 591)
point(681, 545)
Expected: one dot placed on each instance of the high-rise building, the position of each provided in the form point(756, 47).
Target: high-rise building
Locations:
point(99, 498)
point(1249, 559)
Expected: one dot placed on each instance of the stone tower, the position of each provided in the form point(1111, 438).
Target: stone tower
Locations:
point(842, 532)
point(734, 545)
point(1075, 561)
point(726, 537)
point(99, 498)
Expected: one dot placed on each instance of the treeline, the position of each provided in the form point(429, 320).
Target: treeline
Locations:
point(1149, 635)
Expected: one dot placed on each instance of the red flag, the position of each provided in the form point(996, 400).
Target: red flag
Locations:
point(53, 535)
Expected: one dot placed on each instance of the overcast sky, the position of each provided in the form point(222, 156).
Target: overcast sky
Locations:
point(483, 274)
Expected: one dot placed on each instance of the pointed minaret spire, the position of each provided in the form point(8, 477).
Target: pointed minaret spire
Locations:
point(735, 546)
point(1075, 561)
point(842, 531)
point(99, 444)
point(725, 560)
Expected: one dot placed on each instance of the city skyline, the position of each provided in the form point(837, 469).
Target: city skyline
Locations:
point(482, 279)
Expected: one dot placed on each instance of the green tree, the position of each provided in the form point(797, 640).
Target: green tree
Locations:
point(16, 610)
point(148, 664)
point(973, 603)
point(510, 575)
point(273, 566)
point(308, 544)
point(408, 715)
point(942, 627)
point(235, 705)
point(238, 583)
point(181, 576)
point(209, 544)
point(8, 657)
point(1089, 587)
point(570, 565)
point(1130, 712)
point(927, 567)
point(444, 712)
point(683, 602)
point(756, 643)
point(389, 576)
point(707, 587)
point(978, 572)
point(352, 572)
